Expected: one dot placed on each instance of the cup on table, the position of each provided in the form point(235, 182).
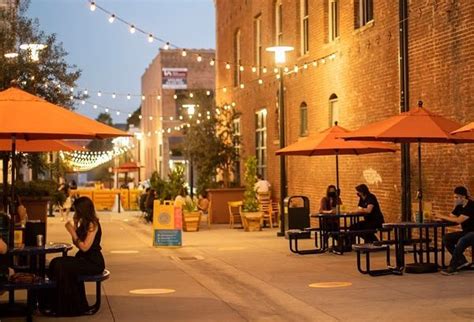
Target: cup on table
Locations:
point(39, 240)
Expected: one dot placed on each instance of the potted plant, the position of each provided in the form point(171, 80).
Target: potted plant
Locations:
point(191, 215)
point(35, 195)
point(251, 216)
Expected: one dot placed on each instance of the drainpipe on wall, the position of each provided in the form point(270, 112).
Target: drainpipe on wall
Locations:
point(404, 107)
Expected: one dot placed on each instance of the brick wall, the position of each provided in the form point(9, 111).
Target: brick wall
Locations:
point(364, 76)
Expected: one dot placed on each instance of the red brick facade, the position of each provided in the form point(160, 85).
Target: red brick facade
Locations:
point(365, 78)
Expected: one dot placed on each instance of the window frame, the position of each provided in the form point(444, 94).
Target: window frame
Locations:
point(261, 140)
point(303, 119)
point(334, 20)
point(278, 13)
point(258, 48)
point(333, 102)
point(304, 27)
point(237, 58)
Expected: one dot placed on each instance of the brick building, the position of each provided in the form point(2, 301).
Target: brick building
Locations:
point(347, 53)
point(168, 74)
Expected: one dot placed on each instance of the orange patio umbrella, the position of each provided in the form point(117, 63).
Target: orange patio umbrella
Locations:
point(415, 126)
point(328, 142)
point(40, 146)
point(26, 116)
point(464, 129)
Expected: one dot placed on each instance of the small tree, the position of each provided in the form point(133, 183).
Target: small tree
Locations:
point(250, 203)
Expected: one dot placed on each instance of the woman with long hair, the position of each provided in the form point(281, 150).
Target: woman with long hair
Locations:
point(69, 298)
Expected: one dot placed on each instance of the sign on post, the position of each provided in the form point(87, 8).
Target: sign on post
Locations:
point(167, 224)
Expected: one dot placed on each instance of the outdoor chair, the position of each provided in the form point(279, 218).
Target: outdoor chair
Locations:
point(235, 208)
point(207, 216)
point(265, 206)
point(275, 212)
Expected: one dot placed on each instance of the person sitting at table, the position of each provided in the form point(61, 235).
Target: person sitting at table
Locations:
point(69, 298)
point(457, 242)
point(203, 202)
point(329, 203)
point(373, 217)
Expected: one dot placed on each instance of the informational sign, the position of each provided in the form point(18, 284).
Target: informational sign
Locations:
point(174, 78)
point(167, 224)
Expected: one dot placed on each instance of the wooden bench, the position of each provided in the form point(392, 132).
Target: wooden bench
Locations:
point(367, 249)
point(98, 279)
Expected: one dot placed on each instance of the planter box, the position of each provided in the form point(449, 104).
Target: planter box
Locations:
point(37, 208)
point(219, 199)
point(252, 221)
point(191, 220)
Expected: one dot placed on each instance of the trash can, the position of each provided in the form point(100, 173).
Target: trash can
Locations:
point(297, 214)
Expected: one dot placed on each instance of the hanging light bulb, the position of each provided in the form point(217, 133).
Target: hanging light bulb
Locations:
point(225, 89)
point(99, 93)
point(191, 95)
point(118, 113)
point(184, 53)
point(95, 106)
point(323, 61)
point(241, 68)
point(113, 95)
point(161, 118)
point(132, 29)
point(208, 93)
point(275, 70)
point(150, 118)
point(106, 110)
point(242, 86)
point(175, 96)
point(112, 18)
point(199, 58)
point(305, 66)
point(264, 69)
point(150, 38)
point(212, 62)
point(92, 6)
point(296, 68)
point(166, 46)
point(171, 118)
point(277, 76)
point(140, 117)
point(285, 69)
point(260, 81)
point(227, 66)
point(315, 63)
point(128, 96)
point(158, 97)
point(83, 102)
point(233, 104)
point(85, 92)
point(254, 69)
point(143, 97)
point(129, 114)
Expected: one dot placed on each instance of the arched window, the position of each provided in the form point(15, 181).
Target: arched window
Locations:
point(278, 11)
point(333, 110)
point(303, 119)
point(237, 59)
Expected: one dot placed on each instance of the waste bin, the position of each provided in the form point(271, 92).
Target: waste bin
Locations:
point(297, 214)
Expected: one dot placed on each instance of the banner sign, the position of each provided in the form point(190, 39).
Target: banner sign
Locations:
point(174, 78)
point(167, 224)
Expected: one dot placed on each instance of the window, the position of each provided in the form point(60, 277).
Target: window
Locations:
point(278, 22)
point(237, 59)
point(303, 119)
point(333, 110)
point(304, 23)
point(363, 12)
point(333, 19)
point(237, 133)
point(261, 140)
point(257, 26)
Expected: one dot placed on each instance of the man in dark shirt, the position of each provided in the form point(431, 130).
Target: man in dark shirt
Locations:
point(458, 241)
point(373, 219)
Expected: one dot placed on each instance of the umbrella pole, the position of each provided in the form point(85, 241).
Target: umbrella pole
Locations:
point(337, 182)
point(12, 209)
point(420, 190)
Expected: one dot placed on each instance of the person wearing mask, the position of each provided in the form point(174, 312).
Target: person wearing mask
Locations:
point(69, 297)
point(373, 217)
point(328, 206)
point(457, 242)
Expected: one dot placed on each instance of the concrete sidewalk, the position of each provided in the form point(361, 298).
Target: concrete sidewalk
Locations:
point(231, 275)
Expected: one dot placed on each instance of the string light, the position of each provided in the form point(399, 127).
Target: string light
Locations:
point(184, 53)
point(241, 68)
point(260, 81)
point(113, 95)
point(99, 94)
point(166, 46)
point(132, 29)
point(158, 97)
point(92, 6)
point(150, 38)
point(199, 58)
point(128, 96)
point(227, 65)
point(264, 70)
point(212, 62)
point(112, 18)
point(254, 69)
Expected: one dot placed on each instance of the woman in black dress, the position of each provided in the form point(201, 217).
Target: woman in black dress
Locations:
point(69, 298)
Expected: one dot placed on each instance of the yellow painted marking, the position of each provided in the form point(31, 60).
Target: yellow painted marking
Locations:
point(152, 291)
point(330, 284)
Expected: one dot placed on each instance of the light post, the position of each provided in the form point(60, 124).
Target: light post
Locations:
point(280, 59)
point(191, 108)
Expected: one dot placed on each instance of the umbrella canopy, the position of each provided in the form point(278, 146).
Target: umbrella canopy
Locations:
point(328, 142)
point(32, 118)
point(418, 125)
point(464, 129)
point(40, 146)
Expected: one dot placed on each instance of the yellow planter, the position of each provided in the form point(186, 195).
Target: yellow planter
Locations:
point(252, 221)
point(191, 220)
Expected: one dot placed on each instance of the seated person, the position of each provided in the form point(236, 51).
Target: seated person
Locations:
point(262, 185)
point(330, 202)
point(373, 217)
point(457, 242)
point(203, 203)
